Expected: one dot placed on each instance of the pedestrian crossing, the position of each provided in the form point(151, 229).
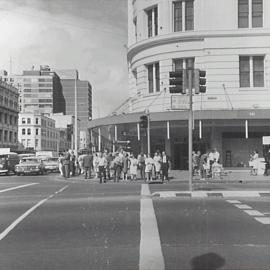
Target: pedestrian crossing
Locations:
point(257, 215)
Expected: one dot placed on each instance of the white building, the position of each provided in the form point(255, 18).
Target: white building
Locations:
point(38, 132)
point(230, 40)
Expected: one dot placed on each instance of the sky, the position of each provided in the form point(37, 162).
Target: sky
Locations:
point(87, 35)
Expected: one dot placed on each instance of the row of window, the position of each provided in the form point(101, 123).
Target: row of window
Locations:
point(8, 119)
point(8, 136)
point(251, 71)
point(4, 101)
point(44, 123)
point(250, 14)
point(49, 134)
point(35, 80)
point(44, 144)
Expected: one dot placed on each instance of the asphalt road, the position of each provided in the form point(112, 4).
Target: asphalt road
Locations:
point(49, 223)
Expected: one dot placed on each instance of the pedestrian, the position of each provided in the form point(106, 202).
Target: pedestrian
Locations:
point(165, 166)
point(87, 163)
point(141, 165)
point(267, 163)
point(72, 163)
point(66, 163)
point(157, 165)
point(126, 166)
point(102, 163)
point(133, 168)
point(95, 164)
point(60, 164)
point(254, 162)
point(109, 158)
point(149, 163)
point(80, 167)
point(118, 163)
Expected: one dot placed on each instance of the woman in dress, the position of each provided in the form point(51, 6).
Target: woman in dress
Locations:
point(133, 168)
point(157, 165)
point(149, 162)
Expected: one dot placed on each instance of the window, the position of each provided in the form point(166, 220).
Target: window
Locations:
point(182, 63)
point(29, 131)
point(153, 78)
point(1, 135)
point(10, 136)
point(250, 13)
point(23, 131)
point(36, 131)
point(23, 121)
point(36, 142)
point(5, 135)
point(251, 71)
point(6, 118)
point(152, 20)
point(135, 28)
point(36, 121)
point(257, 13)
point(11, 119)
point(28, 120)
point(183, 15)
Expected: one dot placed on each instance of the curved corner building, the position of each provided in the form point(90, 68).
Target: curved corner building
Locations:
point(230, 40)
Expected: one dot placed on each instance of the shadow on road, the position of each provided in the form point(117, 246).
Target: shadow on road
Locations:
point(209, 261)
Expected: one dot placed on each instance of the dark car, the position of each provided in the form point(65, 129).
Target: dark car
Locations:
point(30, 165)
point(8, 162)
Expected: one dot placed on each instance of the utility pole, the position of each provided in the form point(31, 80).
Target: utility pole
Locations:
point(190, 127)
point(148, 134)
point(76, 120)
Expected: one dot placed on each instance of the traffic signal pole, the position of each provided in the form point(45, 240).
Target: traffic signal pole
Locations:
point(148, 133)
point(190, 128)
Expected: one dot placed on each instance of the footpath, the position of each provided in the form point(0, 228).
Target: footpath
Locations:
point(230, 175)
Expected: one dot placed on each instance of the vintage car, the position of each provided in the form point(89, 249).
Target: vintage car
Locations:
point(8, 162)
point(30, 165)
point(51, 164)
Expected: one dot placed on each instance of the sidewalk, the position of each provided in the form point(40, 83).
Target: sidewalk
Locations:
point(231, 175)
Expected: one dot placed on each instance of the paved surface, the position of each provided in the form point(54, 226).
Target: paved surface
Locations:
point(50, 223)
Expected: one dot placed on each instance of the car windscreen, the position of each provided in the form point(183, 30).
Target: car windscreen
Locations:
point(30, 160)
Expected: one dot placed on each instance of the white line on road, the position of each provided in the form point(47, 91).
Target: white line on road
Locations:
point(17, 187)
point(263, 220)
point(243, 206)
point(151, 257)
point(23, 216)
point(254, 213)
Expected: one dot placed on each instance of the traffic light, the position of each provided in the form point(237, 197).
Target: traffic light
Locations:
point(178, 81)
point(69, 131)
point(143, 121)
point(200, 81)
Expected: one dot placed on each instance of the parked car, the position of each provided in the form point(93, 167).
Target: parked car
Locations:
point(30, 165)
point(8, 162)
point(51, 164)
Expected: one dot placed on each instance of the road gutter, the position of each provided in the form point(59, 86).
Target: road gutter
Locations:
point(27, 213)
point(151, 257)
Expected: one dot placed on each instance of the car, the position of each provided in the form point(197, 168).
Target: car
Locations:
point(8, 162)
point(30, 165)
point(51, 164)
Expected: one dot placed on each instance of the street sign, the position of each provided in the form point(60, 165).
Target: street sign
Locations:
point(179, 102)
point(266, 140)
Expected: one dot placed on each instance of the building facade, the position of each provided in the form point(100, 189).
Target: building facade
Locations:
point(38, 132)
point(84, 96)
point(229, 39)
point(8, 116)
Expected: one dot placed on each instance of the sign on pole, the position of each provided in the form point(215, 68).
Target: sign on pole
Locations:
point(179, 102)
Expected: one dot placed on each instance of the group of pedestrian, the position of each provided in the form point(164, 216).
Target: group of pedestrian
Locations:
point(116, 166)
point(206, 165)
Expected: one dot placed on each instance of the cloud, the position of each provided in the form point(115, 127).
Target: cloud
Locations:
point(88, 35)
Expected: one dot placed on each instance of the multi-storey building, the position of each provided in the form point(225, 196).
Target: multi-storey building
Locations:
point(8, 116)
point(84, 96)
point(38, 132)
point(40, 91)
point(229, 39)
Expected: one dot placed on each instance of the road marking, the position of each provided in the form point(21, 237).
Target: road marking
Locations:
point(22, 186)
point(151, 257)
point(243, 206)
point(23, 216)
point(263, 220)
point(233, 201)
point(254, 213)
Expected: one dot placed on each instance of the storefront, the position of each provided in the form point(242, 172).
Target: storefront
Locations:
point(235, 134)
